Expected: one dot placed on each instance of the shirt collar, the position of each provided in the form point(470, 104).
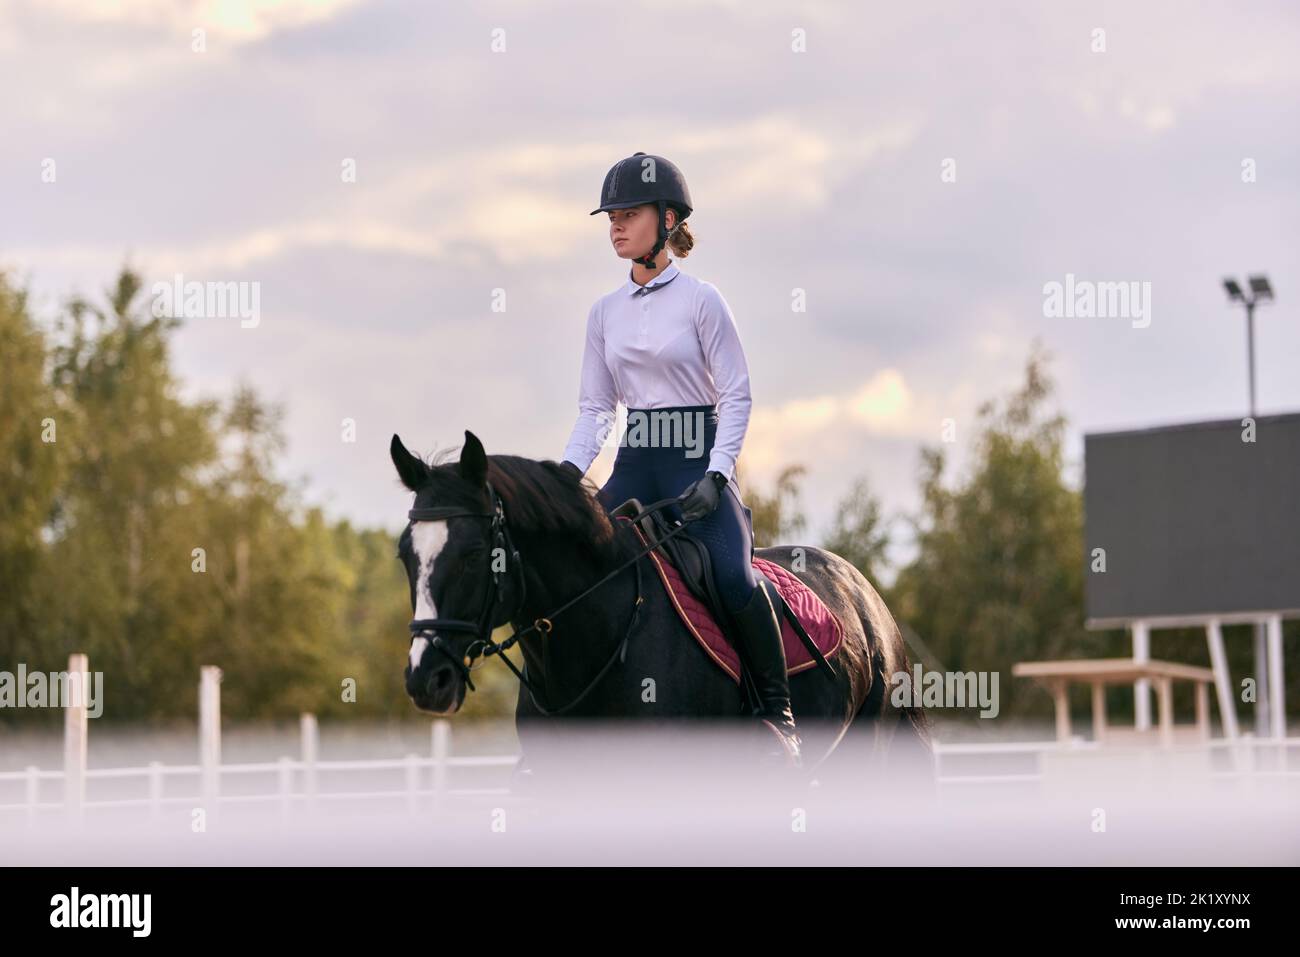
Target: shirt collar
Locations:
point(668, 275)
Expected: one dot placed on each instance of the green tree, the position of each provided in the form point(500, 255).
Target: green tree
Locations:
point(30, 473)
point(998, 577)
point(132, 450)
point(777, 517)
point(152, 533)
point(277, 589)
point(857, 534)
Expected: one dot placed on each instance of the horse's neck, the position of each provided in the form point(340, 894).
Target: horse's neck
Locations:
point(557, 575)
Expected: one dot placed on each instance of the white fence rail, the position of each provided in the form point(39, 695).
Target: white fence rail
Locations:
point(292, 783)
point(295, 783)
point(1246, 757)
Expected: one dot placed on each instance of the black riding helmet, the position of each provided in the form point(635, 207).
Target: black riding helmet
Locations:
point(651, 179)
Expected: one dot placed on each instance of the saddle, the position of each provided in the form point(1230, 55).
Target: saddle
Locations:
point(809, 631)
point(685, 552)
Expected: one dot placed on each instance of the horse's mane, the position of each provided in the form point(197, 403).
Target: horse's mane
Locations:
point(541, 499)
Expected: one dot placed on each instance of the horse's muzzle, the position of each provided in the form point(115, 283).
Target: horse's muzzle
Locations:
point(437, 688)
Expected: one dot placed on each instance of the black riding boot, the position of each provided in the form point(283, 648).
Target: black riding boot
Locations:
point(758, 634)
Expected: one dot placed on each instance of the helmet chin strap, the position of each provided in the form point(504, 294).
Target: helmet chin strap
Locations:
point(648, 260)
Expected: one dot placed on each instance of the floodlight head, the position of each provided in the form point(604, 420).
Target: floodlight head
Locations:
point(1260, 288)
point(1234, 291)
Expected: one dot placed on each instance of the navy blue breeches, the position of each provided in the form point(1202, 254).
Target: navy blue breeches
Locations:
point(650, 472)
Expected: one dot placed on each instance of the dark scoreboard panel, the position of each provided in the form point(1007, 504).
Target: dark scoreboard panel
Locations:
point(1194, 520)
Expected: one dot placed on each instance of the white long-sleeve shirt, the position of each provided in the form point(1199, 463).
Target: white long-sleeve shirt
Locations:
point(671, 342)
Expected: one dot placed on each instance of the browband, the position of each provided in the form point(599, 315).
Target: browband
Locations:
point(439, 512)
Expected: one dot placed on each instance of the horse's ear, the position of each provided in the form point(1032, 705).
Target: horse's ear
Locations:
point(473, 460)
point(413, 472)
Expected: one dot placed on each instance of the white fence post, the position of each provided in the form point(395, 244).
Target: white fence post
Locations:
point(75, 731)
point(309, 731)
point(1141, 687)
point(441, 752)
point(1261, 708)
point(1222, 681)
point(210, 734)
point(1277, 686)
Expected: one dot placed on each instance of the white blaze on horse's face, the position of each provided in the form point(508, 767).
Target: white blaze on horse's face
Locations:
point(428, 539)
point(417, 650)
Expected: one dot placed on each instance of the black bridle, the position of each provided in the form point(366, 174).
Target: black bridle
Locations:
point(482, 627)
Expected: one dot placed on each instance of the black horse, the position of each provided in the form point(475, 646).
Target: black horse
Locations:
point(504, 539)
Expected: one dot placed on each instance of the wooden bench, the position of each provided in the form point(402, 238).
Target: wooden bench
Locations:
point(1056, 677)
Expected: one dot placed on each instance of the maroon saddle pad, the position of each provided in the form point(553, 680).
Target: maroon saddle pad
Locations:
point(822, 626)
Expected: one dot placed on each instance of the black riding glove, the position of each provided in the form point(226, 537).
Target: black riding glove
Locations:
point(570, 467)
point(702, 496)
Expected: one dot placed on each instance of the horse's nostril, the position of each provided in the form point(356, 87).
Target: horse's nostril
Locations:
point(442, 679)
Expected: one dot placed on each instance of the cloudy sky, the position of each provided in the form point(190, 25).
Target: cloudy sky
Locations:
point(920, 172)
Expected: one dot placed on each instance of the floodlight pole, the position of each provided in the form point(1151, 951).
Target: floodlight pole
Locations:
point(1267, 657)
point(1250, 349)
point(1260, 290)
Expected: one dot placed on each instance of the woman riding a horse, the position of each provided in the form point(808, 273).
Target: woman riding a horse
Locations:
point(665, 344)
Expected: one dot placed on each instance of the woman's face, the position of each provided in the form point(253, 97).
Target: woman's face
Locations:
point(633, 232)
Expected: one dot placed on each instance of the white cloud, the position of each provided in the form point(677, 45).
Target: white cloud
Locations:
point(1159, 118)
point(883, 406)
point(275, 241)
point(236, 20)
point(518, 203)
